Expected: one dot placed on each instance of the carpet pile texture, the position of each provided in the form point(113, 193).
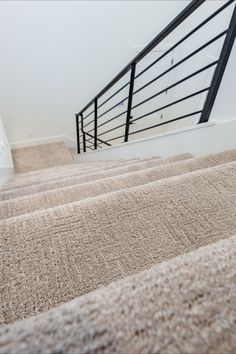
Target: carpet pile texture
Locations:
point(69, 194)
point(130, 256)
point(185, 305)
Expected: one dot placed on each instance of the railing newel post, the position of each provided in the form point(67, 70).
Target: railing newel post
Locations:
point(220, 69)
point(82, 129)
point(77, 133)
point(130, 99)
point(95, 123)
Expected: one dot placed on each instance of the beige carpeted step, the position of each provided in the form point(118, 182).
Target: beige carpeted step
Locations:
point(52, 170)
point(63, 182)
point(73, 171)
point(19, 177)
point(52, 198)
point(50, 257)
point(65, 172)
point(80, 166)
point(58, 170)
point(40, 156)
point(185, 305)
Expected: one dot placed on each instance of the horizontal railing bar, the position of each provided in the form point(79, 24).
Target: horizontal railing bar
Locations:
point(162, 91)
point(187, 36)
point(88, 115)
point(173, 103)
point(88, 147)
point(89, 131)
point(182, 60)
point(108, 99)
point(176, 83)
point(118, 137)
point(90, 140)
point(188, 10)
point(100, 144)
point(88, 123)
point(110, 130)
point(166, 122)
point(102, 141)
point(111, 108)
point(182, 117)
point(109, 120)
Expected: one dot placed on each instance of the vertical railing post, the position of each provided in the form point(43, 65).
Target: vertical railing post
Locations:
point(77, 133)
point(82, 129)
point(219, 71)
point(129, 108)
point(95, 123)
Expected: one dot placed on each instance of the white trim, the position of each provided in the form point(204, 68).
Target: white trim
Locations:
point(69, 142)
point(154, 137)
point(5, 174)
point(6, 163)
point(201, 139)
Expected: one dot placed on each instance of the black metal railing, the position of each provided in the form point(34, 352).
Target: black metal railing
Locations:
point(92, 120)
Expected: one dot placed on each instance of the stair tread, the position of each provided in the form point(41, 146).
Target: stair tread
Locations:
point(108, 237)
point(90, 176)
point(167, 308)
point(69, 194)
point(72, 171)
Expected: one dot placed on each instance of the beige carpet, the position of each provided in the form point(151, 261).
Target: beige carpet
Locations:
point(70, 229)
point(60, 196)
point(90, 176)
point(185, 305)
point(75, 170)
point(58, 169)
point(52, 256)
point(40, 156)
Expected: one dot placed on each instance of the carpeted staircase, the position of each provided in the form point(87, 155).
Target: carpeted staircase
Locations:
point(133, 256)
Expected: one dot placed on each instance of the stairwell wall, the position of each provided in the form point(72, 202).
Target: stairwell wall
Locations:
point(6, 165)
point(56, 55)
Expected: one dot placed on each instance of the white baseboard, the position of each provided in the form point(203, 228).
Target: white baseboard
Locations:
point(5, 174)
point(69, 141)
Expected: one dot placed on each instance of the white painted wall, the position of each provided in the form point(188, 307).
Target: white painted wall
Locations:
point(6, 165)
point(56, 55)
